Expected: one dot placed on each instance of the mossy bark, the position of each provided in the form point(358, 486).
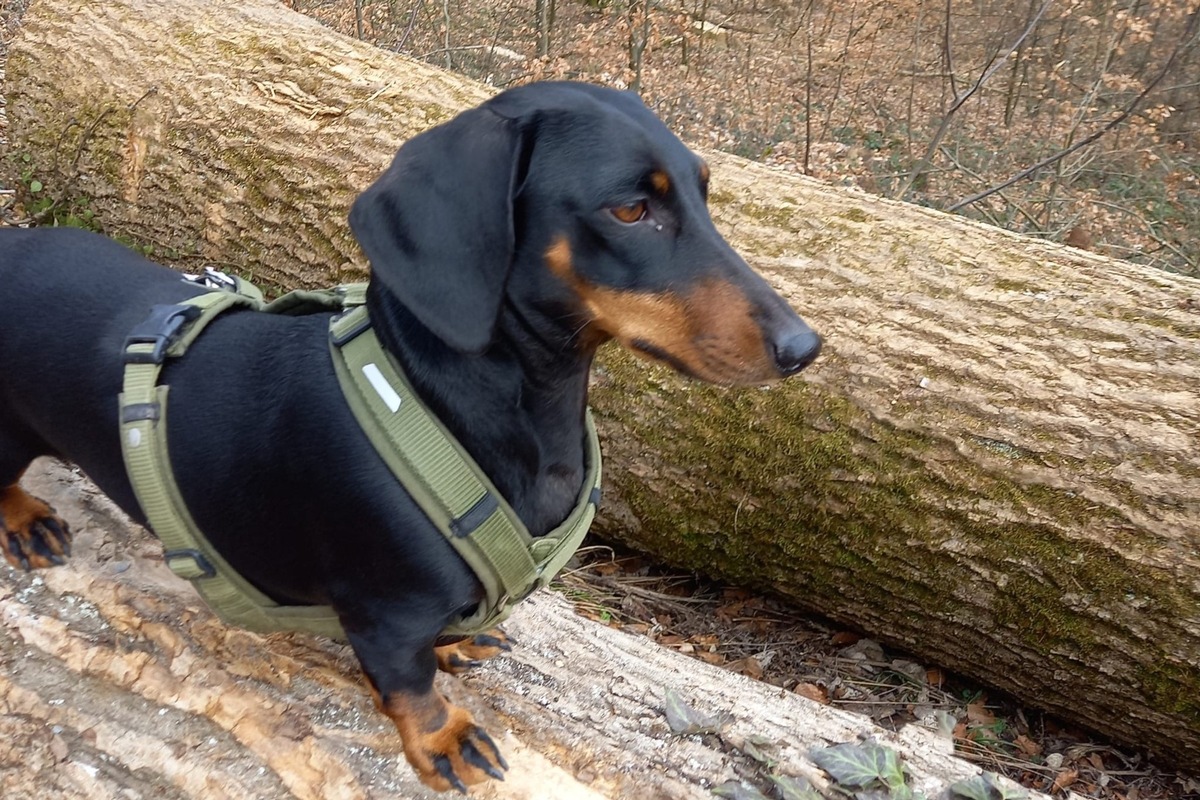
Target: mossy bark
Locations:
point(995, 463)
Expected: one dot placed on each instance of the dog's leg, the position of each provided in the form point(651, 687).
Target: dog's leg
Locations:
point(443, 744)
point(31, 534)
point(468, 653)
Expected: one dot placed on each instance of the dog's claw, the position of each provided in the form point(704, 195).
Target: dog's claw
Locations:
point(446, 770)
point(488, 640)
point(469, 653)
point(472, 756)
point(483, 737)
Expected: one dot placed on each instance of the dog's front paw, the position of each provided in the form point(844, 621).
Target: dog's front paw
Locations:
point(32, 536)
point(442, 742)
point(466, 654)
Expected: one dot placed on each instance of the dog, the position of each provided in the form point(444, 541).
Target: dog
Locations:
point(506, 246)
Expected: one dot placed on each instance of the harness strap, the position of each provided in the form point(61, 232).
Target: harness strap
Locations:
point(431, 465)
point(167, 333)
point(446, 483)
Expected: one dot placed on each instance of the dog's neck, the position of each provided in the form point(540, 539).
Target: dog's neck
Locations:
point(517, 408)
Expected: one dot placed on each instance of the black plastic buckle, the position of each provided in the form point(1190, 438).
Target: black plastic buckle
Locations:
point(160, 329)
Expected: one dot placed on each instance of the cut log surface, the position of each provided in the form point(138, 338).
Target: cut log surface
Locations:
point(994, 464)
point(116, 681)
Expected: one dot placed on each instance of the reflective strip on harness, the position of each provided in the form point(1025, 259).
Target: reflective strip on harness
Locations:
point(440, 476)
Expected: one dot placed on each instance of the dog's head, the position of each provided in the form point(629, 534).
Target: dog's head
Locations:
point(574, 204)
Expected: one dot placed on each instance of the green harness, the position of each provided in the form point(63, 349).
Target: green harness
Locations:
point(434, 468)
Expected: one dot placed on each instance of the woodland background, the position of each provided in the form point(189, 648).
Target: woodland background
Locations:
point(1071, 120)
point(933, 103)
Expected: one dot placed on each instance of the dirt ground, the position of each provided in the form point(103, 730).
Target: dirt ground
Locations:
point(767, 640)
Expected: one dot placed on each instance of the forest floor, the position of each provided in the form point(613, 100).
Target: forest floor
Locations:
point(771, 641)
point(766, 639)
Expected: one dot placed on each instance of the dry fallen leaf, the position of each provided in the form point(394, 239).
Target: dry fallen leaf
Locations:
point(843, 638)
point(748, 666)
point(1027, 746)
point(812, 692)
point(1064, 779)
point(977, 713)
point(730, 611)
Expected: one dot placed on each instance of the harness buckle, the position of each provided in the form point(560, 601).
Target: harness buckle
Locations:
point(215, 279)
point(197, 566)
point(160, 329)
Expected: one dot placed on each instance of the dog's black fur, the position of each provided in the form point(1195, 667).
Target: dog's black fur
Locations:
point(506, 245)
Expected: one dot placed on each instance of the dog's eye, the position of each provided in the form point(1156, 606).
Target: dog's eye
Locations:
point(634, 212)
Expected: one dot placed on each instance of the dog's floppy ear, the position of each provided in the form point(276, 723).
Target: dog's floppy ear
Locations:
point(437, 226)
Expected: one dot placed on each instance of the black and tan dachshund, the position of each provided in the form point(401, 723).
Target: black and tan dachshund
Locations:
point(506, 245)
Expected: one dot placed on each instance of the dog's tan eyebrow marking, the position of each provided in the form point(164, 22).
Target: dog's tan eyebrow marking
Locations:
point(660, 181)
point(705, 173)
point(558, 258)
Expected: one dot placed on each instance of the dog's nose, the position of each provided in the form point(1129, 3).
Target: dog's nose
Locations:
point(796, 350)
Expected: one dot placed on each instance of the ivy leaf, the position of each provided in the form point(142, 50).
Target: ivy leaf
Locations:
point(35, 186)
point(859, 766)
point(686, 720)
point(754, 750)
point(794, 788)
point(974, 788)
point(985, 787)
point(739, 791)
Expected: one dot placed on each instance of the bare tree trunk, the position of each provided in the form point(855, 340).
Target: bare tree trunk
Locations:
point(994, 464)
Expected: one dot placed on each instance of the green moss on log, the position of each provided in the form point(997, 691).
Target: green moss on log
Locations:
point(861, 514)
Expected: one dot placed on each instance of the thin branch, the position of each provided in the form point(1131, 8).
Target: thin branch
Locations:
point(947, 53)
point(1021, 210)
point(412, 20)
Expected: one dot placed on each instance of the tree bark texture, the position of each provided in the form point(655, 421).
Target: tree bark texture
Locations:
point(117, 681)
point(995, 463)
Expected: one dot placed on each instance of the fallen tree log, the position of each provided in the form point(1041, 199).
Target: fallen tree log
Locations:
point(993, 465)
point(117, 681)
